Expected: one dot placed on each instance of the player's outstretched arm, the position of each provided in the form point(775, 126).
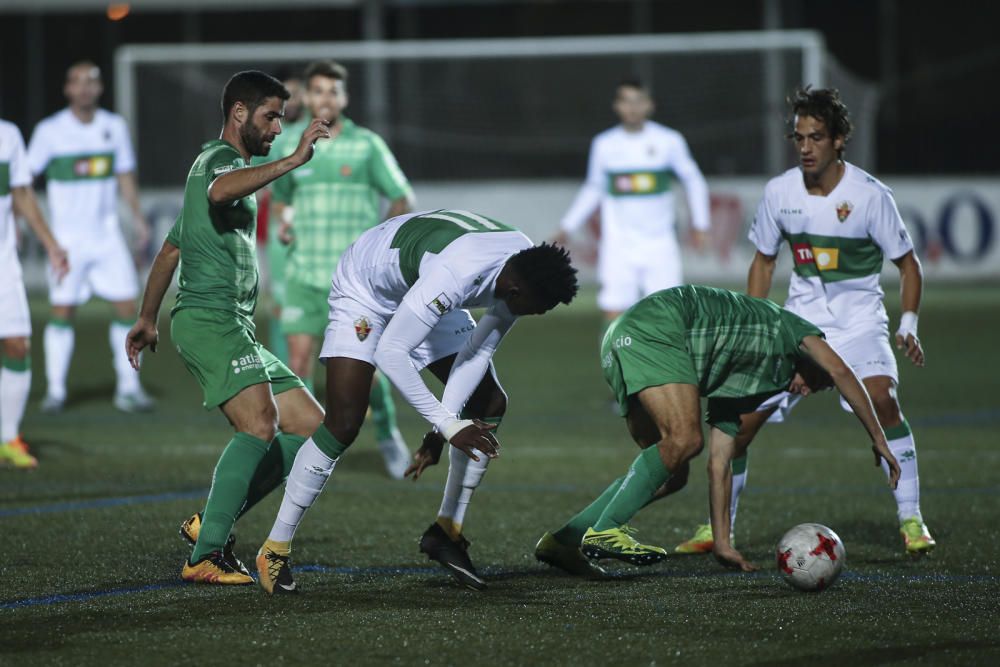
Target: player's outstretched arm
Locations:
point(911, 287)
point(144, 332)
point(857, 397)
point(27, 206)
point(239, 183)
point(721, 449)
point(761, 274)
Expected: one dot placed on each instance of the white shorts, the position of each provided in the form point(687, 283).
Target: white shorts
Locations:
point(15, 318)
point(869, 354)
point(106, 271)
point(355, 329)
point(628, 274)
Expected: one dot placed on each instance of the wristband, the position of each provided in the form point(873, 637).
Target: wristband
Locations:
point(907, 324)
point(452, 428)
point(287, 214)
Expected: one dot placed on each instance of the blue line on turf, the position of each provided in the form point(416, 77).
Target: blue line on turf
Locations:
point(60, 598)
point(99, 503)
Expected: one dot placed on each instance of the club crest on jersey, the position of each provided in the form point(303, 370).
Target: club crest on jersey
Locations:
point(440, 304)
point(362, 328)
point(346, 170)
point(844, 209)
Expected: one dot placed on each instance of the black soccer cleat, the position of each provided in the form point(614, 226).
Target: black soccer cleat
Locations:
point(454, 556)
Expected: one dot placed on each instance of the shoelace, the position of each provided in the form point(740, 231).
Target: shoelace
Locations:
point(274, 564)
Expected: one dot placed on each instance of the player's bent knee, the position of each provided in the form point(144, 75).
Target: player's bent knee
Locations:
point(887, 411)
point(344, 428)
point(16, 348)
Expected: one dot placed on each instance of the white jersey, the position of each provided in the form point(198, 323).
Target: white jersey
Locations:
point(630, 175)
point(81, 162)
point(837, 242)
point(14, 173)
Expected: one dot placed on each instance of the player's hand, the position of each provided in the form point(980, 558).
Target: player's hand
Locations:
point(799, 386)
point(428, 455)
point(318, 129)
point(477, 436)
point(914, 351)
point(59, 261)
point(699, 240)
point(286, 233)
point(881, 451)
point(142, 235)
point(142, 334)
point(730, 557)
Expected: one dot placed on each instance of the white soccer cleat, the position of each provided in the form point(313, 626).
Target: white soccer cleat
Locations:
point(395, 454)
point(134, 401)
point(52, 404)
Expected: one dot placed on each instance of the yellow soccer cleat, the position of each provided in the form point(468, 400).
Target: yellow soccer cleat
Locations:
point(190, 530)
point(15, 453)
point(214, 569)
point(569, 559)
point(701, 543)
point(274, 571)
point(619, 543)
point(916, 537)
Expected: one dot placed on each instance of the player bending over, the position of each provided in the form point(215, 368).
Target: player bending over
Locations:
point(659, 358)
point(214, 240)
point(397, 302)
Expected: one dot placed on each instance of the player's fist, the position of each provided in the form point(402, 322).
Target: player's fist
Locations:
point(142, 334)
point(318, 129)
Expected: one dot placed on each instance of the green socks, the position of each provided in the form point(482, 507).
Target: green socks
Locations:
point(230, 484)
point(646, 474)
point(328, 444)
point(572, 532)
point(273, 468)
point(383, 408)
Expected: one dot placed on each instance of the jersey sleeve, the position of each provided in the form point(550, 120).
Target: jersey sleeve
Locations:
point(435, 294)
point(222, 161)
point(174, 235)
point(694, 182)
point(886, 227)
point(386, 174)
point(20, 173)
point(765, 231)
point(798, 328)
point(589, 196)
point(124, 156)
point(39, 149)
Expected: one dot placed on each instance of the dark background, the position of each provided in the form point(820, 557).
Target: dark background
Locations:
point(936, 65)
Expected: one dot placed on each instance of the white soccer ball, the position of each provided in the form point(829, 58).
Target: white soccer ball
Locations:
point(810, 557)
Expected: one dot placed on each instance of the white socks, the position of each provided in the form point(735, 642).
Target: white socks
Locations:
point(128, 377)
point(464, 475)
point(907, 493)
point(59, 340)
point(310, 471)
point(739, 481)
point(14, 388)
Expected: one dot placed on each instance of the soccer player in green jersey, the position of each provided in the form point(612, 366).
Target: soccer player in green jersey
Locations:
point(322, 210)
point(212, 326)
point(659, 358)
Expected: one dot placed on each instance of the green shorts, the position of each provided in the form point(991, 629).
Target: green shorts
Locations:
point(641, 352)
point(305, 310)
point(224, 356)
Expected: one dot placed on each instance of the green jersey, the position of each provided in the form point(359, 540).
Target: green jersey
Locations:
point(729, 345)
point(336, 196)
point(217, 243)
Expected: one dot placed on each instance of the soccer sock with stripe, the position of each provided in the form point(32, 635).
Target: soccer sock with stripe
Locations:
point(383, 408)
point(572, 533)
point(58, 342)
point(646, 474)
point(907, 492)
point(230, 484)
point(311, 468)
point(464, 476)
point(273, 468)
point(15, 383)
point(126, 376)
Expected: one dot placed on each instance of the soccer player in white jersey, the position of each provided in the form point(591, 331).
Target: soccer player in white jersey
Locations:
point(397, 302)
point(15, 320)
point(839, 223)
point(86, 156)
point(630, 176)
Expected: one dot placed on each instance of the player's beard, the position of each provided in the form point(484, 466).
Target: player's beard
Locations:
point(255, 141)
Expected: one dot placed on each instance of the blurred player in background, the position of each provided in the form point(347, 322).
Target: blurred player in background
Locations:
point(86, 156)
point(15, 320)
point(630, 176)
point(659, 358)
point(322, 210)
point(839, 223)
point(214, 241)
point(397, 301)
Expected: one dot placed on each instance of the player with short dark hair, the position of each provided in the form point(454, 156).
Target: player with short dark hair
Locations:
point(659, 358)
point(397, 302)
point(840, 223)
point(214, 241)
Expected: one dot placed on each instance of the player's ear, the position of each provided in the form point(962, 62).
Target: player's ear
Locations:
point(838, 144)
point(240, 112)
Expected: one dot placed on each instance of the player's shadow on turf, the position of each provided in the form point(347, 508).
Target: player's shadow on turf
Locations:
point(885, 655)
